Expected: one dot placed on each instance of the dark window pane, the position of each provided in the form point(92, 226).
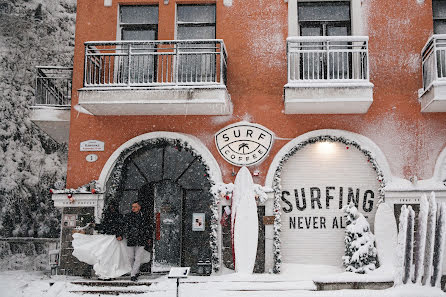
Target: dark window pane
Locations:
point(196, 32)
point(439, 9)
point(310, 31)
point(337, 31)
point(138, 34)
point(440, 27)
point(196, 13)
point(139, 14)
point(324, 11)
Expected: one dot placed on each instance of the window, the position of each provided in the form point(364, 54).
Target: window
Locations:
point(324, 18)
point(197, 60)
point(138, 23)
point(196, 22)
point(439, 14)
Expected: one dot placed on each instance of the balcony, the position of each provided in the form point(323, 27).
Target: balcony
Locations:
point(433, 94)
point(328, 75)
point(155, 78)
point(51, 109)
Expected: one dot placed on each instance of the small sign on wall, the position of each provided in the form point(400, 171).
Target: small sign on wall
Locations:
point(244, 144)
point(198, 221)
point(268, 220)
point(92, 146)
point(69, 220)
point(91, 158)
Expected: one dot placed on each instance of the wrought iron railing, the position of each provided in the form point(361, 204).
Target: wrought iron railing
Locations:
point(434, 60)
point(53, 85)
point(154, 63)
point(328, 58)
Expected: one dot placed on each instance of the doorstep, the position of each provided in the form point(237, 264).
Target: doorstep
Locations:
point(329, 286)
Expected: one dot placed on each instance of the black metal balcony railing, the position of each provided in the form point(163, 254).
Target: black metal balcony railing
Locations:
point(154, 63)
point(434, 60)
point(328, 59)
point(53, 86)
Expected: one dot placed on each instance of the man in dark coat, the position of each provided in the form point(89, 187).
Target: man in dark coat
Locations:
point(137, 229)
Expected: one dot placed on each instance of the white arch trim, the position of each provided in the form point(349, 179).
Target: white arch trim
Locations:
point(440, 167)
point(364, 143)
point(195, 143)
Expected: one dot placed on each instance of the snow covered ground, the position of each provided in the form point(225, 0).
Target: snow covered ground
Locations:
point(36, 284)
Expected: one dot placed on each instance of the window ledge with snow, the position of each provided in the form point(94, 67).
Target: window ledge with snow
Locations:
point(165, 100)
point(334, 97)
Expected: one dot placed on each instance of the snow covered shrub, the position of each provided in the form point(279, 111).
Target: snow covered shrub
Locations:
point(360, 253)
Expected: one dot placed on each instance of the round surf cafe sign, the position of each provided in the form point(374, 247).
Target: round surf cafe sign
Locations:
point(244, 144)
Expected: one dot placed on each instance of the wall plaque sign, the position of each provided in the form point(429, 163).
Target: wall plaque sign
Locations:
point(69, 220)
point(92, 146)
point(244, 144)
point(91, 158)
point(198, 221)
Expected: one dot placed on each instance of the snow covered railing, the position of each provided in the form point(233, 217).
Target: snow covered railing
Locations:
point(328, 59)
point(154, 63)
point(53, 85)
point(434, 60)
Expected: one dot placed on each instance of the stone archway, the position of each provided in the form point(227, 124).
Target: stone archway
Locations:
point(172, 182)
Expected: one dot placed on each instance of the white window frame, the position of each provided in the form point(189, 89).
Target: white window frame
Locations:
point(198, 4)
point(355, 12)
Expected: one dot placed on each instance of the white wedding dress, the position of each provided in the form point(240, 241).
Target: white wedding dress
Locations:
point(108, 256)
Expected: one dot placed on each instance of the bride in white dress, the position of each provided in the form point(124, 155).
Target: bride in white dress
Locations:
point(109, 257)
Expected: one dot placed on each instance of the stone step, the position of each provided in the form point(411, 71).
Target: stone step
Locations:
point(107, 292)
point(112, 283)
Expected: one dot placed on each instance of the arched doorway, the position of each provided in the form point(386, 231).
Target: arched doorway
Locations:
point(172, 183)
point(313, 177)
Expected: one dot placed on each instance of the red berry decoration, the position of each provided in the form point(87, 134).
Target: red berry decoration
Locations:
point(51, 191)
point(347, 147)
point(70, 195)
point(93, 191)
point(227, 197)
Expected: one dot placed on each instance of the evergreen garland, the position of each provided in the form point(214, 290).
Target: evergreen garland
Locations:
point(113, 192)
point(278, 189)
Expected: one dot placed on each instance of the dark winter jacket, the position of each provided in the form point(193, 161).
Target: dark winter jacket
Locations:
point(136, 228)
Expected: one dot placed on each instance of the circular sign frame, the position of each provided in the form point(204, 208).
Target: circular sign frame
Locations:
point(244, 143)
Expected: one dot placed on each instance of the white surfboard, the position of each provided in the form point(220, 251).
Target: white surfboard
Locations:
point(244, 222)
point(386, 236)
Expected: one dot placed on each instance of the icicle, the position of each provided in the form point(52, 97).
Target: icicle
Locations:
point(439, 246)
point(430, 239)
point(421, 240)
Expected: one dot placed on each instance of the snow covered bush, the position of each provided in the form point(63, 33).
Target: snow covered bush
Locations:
point(360, 252)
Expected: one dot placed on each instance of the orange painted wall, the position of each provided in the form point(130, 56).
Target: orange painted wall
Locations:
point(255, 32)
